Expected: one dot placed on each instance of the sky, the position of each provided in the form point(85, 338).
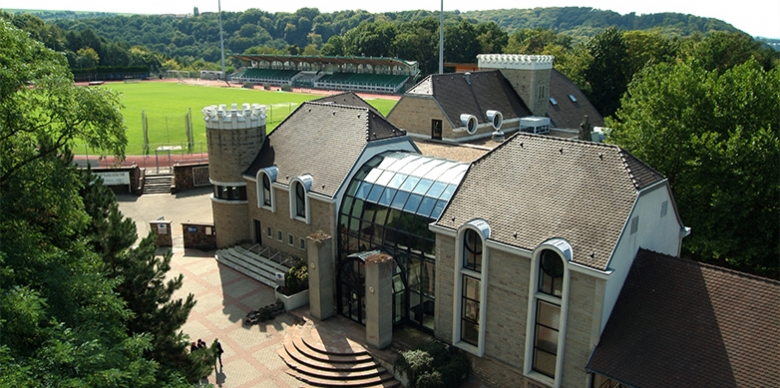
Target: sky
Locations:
point(755, 17)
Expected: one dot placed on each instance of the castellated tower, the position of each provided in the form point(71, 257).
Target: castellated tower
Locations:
point(528, 74)
point(234, 137)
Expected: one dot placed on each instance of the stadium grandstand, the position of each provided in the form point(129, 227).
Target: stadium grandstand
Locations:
point(356, 74)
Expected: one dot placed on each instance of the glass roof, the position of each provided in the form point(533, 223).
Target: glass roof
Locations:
point(413, 183)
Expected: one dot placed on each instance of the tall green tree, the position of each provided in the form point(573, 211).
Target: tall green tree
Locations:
point(607, 74)
point(717, 138)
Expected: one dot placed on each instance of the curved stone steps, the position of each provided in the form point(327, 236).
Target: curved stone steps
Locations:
point(331, 361)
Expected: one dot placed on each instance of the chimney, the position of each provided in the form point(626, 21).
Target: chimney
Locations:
point(585, 128)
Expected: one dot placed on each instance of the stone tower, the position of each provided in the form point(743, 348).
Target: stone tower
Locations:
point(528, 74)
point(234, 138)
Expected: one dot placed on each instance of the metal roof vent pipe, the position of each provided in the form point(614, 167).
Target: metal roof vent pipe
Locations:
point(468, 78)
point(498, 136)
point(496, 118)
point(470, 122)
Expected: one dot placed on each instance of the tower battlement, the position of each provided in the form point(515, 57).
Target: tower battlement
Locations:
point(515, 61)
point(249, 116)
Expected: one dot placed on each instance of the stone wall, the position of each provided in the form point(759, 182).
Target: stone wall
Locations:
point(586, 296)
point(232, 222)
point(414, 114)
point(533, 87)
point(190, 176)
point(199, 236)
point(322, 216)
point(445, 288)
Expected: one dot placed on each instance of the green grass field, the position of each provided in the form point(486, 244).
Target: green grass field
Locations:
point(166, 104)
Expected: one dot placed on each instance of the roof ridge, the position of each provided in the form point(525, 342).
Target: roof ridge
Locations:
point(714, 267)
point(331, 104)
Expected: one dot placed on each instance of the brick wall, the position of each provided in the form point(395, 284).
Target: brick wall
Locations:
point(183, 178)
point(414, 114)
point(199, 236)
point(586, 295)
point(231, 151)
point(232, 222)
point(445, 276)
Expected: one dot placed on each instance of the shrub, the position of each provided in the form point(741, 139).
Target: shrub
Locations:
point(296, 279)
point(433, 365)
point(249, 85)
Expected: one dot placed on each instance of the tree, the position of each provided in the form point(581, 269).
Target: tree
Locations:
point(716, 138)
point(460, 43)
point(62, 322)
point(195, 11)
point(87, 58)
point(491, 38)
point(606, 74)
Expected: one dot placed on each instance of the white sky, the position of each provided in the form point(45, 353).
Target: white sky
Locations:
point(756, 17)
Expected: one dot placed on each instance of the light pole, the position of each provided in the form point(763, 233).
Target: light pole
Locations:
point(441, 38)
point(221, 39)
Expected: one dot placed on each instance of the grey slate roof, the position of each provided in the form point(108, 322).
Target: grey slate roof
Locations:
point(323, 140)
point(680, 323)
point(533, 188)
point(349, 99)
point(569, 114)
point(484, 90)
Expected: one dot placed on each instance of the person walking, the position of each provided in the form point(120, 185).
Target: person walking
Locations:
point(218, 351)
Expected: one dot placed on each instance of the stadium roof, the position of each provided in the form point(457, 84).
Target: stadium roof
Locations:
point(327, 59)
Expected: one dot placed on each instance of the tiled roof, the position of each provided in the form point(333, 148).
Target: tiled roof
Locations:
point(323, 140)
point(348, 99)
point(483, 91)
point(533, 188)
point(567, 113)
point(457, 152)
point(679, 323)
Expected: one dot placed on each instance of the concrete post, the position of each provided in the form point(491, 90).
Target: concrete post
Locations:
point(321, 278)
point(379, 300)
point(163, 232)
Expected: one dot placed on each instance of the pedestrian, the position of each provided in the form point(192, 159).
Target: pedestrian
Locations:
point(218, 351)
point(193, 347)
point(201, 344)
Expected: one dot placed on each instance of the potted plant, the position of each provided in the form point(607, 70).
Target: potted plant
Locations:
point(295, 292)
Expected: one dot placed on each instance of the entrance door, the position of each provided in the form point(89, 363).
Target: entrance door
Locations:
point(352, 289)
point(258, 233)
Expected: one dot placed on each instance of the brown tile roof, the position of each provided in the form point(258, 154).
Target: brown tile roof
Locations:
point(533, 188)
point(484, 90)
point(323, 140)
point(679, 323)
point(457, 152)
point(348, 99)
point(569, 114)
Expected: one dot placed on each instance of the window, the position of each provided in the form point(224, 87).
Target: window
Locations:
point(634, 224)
point(664, 208)
point(269, 232)
point(300, 201)
point(472, 250)
point(230, 193)
point(291, 240)
point(546, 312)
point(266, 191)
point(436, 129)
point(572, 98)
point(552, 101)
point(279, 235)
point(470, 310)
point(302, 245)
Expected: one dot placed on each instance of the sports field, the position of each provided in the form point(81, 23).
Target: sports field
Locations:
point(166, 105)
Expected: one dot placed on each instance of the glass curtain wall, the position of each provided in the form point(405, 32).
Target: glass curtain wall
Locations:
point(388, 206)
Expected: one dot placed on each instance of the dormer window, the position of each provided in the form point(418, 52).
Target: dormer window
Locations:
point(299, 198)
point(265, 191)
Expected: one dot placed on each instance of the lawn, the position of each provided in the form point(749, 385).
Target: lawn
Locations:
point(166, 105)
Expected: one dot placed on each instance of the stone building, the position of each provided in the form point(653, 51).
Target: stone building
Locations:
point(533, 258)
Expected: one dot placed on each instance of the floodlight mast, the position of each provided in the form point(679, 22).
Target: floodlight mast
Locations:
point(441, 38)
point(221, 39)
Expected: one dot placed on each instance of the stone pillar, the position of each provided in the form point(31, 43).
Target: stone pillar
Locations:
point(321, 278)
point(379, 300)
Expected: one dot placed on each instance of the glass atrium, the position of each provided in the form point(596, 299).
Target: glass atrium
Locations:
point(388, 206)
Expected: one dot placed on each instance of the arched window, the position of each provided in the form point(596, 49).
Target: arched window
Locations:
point(472, 250)
point(300, 201)
point(266, 191)
point(547, 311)
point(471, 283)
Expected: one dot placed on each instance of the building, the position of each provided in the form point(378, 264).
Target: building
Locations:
point(532, 257)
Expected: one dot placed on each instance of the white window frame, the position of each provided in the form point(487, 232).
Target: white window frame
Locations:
point(563, 249)
point(483, 231)
point(271, 173)
point(305, 181)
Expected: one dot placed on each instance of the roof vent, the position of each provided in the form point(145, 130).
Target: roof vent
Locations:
point(468, 78)
point(470, 122)
point(496, 118)
point(498, 136)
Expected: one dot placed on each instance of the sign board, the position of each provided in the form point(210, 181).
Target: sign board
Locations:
point(192, 229)
point(162, 228)
point(280, 279)
point(115, 178)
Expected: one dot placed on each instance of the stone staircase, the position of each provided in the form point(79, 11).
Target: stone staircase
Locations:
point(252, 264)
point(329, 362)
point(158, 183)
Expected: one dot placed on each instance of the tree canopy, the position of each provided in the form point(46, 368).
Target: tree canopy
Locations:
point(716, 136)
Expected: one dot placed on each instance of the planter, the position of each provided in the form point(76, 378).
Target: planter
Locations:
point(293, 301)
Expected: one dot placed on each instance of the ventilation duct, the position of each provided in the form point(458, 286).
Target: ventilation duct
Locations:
point(470, 122)
point(496, 118)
